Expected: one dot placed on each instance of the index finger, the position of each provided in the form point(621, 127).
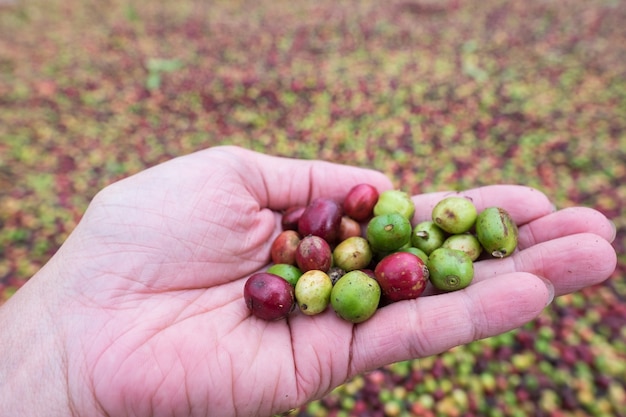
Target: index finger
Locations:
point(280, 182)
point(523, 203)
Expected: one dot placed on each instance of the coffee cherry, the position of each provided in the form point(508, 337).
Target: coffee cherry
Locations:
point(415, 251)
point(322, 217)
point(395, 201)
point(313, 253)
point(427, 236)
point(388, 232)
point(290, 218)
point(348, 228)
point(454, 214)
point(353, 253)
point(450, 269)
point(497, 232)
point(289, 273)
point(465, 242)
point(268, 296)
point(401, 276)
point(283, 249)
point(313, 292)
point(359, 202)
point(355, 296)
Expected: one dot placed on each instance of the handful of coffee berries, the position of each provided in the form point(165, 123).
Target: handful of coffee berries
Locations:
point(364, 253)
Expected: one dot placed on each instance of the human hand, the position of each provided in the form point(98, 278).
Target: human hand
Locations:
point(141, 312)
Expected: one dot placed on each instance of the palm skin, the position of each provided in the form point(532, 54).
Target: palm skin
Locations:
point(147, 291)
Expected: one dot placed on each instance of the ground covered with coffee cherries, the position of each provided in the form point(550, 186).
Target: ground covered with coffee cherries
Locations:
point(437, 94)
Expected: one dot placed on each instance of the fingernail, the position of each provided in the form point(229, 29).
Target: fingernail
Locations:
point(614, 228)
point(550, 288)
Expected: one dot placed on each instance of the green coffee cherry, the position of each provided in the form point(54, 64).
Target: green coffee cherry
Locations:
point(455, 214)
point(465, 242)
point(388, 232)
point(289, 273)
point(355, 296)
point(497, 232)
point(427, 236)
point(313, 292)
point(450, 269)
point(415, 251)
point(395, 201)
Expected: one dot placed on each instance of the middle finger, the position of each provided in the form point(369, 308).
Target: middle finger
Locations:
point(570, 262)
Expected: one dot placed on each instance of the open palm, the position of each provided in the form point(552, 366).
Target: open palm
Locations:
point(150, 308)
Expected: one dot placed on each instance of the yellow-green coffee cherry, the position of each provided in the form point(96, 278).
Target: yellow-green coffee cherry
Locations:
point(450, 269)
point(313, 292)
point(497, 232)
point(353, 253)
point(466, 242)
point(355, 296)
point(455, 214)
point(427, 236)
point(395, 201)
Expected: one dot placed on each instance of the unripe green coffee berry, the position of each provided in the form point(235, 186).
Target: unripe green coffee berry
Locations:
point(355, 296)
point(289, 273)
point(415, 251)
point(427, 236)
point(455, 214)
point(388, 232)
point(497, 232)
point(450, 269)
point(395, 201)
point(465, 242)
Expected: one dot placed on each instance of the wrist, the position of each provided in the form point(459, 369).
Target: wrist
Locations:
point(33, 369)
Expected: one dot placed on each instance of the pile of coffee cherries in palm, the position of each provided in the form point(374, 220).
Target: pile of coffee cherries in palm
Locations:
point(364, 253)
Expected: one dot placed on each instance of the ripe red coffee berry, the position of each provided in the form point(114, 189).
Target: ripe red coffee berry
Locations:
point(268, 296)
point(313, 252)
point(348, 228)
point(360, 201)
point(283, 249)
point(322, 217)
point(290, 218)
point(401, 276)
